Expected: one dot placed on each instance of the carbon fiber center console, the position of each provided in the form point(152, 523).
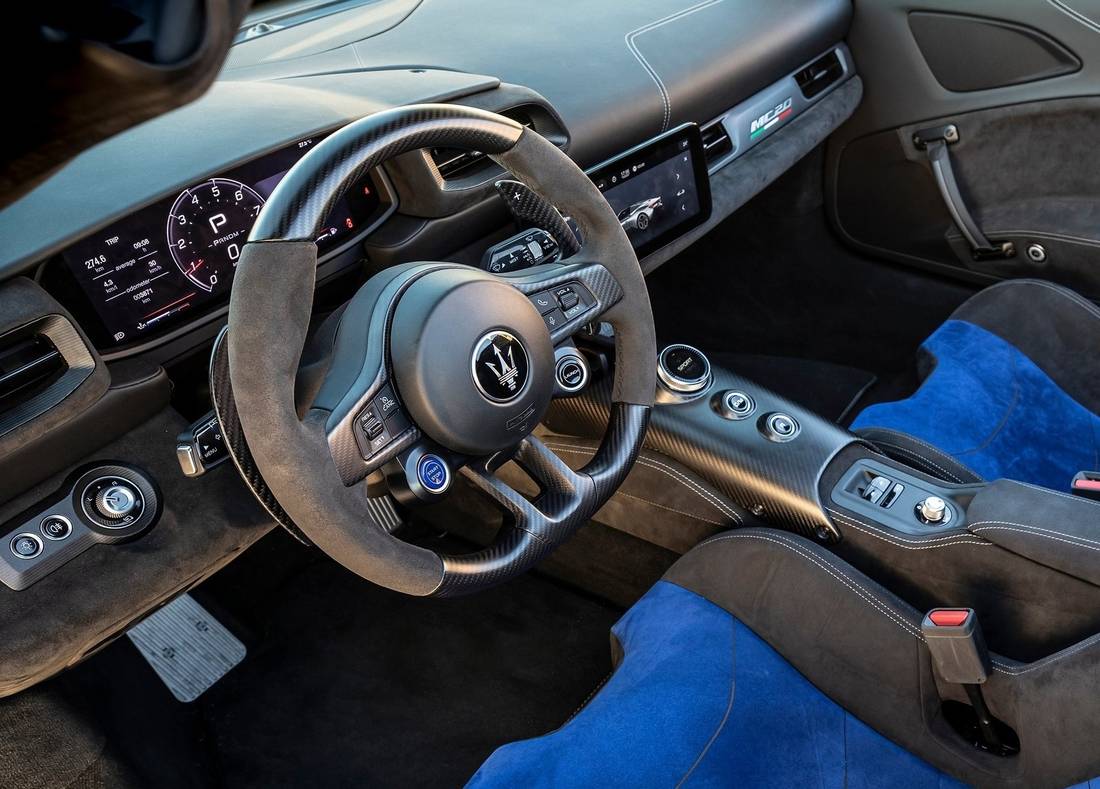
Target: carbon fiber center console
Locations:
point(760, 449)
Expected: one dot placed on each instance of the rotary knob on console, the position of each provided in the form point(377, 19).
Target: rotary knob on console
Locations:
point(115, 502)
point(932, 509)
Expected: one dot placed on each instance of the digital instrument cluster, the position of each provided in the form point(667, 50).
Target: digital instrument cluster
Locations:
point(175, 259)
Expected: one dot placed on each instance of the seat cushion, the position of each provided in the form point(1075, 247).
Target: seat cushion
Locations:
point(700, 700)
point(993, 410)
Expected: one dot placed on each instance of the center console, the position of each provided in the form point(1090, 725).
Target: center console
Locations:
point(1023, 557)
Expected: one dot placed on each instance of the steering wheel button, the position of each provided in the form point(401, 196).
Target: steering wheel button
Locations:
point(575, 310)
point(543, 302)
point(385, 402)
point(397, 423)
point(433, 474)
point(554, 319)
point(55, 527)
point(26, 546)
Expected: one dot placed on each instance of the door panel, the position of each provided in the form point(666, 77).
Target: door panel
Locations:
point(1026, 159)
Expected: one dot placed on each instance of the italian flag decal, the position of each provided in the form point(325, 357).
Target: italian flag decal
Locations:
point(770, 119)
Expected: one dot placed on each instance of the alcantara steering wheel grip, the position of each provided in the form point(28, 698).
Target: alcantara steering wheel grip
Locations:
point(466, 353)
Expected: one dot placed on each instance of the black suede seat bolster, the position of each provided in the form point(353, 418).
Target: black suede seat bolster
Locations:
point(1056, 328)
point(862, 646)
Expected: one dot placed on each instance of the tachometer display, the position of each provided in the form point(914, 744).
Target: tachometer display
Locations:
point(207, 227)
point(174, 260)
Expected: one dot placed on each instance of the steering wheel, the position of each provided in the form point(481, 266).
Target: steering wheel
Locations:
point(466, 356)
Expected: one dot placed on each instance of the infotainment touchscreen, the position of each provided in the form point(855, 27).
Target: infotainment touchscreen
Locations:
point(659, 190)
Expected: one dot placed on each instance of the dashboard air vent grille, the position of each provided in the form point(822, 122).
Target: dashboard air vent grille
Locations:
point(820, 74)
point(716, 141)
point(27, 366)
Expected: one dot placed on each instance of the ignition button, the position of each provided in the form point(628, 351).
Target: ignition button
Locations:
point(433, 474)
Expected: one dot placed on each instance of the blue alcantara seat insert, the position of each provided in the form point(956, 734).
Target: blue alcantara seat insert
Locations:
point(994, 410)
point(700, 700)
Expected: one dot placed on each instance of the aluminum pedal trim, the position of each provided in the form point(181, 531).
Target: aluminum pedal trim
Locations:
point(188, 648)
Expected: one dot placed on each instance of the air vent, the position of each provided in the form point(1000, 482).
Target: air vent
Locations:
point(28, 365)
point(716, 141)
point(454, 164)
point(820, 74)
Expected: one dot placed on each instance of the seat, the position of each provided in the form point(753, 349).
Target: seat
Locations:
point(1010, 389)
point(761, 659)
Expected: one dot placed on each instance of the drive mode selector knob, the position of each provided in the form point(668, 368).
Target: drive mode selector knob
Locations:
point(683, 369)
point(932, 510)
point(115, 502)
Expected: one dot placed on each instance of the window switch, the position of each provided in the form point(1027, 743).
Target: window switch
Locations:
point(876, 489)
point(889, 499)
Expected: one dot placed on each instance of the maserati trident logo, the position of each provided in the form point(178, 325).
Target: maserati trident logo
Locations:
point(500, 366)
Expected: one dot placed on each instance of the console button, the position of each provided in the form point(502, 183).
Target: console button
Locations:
point(433, 473)
point(571, 373)
point(780, 427)
point(55, 527)
point(876, 489)
point(683, 369)
point(26, 546)
point(737, 405)
point(116, 501)
point(932, 510)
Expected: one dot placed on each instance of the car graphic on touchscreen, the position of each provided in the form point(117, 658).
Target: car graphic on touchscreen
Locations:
point(637, 216)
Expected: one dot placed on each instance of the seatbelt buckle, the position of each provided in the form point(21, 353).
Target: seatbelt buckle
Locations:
point(960, 657)
point(958, 649)
point(1086, 484)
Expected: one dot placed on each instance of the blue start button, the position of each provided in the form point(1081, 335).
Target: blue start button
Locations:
point(433, 473)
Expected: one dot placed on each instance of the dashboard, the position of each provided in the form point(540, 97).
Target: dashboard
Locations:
point(172, 262)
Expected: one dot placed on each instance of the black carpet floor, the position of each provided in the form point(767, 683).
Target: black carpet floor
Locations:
point(347, 684)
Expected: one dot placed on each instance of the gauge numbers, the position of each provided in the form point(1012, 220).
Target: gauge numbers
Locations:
point(207, 228)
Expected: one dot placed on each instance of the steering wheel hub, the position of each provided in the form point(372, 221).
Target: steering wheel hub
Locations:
point(472, 360)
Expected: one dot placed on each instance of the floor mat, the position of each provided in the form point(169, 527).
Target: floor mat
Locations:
point(829, 390)
point(347, 684)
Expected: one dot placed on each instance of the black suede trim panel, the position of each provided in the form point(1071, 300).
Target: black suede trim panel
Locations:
point(862, 646)
point(1056, 328)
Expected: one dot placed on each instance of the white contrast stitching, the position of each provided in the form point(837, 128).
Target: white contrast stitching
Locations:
point(1037, 534)
point(913, 454)
point(936, 450)
point(630, 43)
point(1078, 499)
point(1035, 528)
point(1004, 668)
point(1076, 15)
point(691, 515)
point(867, 595)
point(667, 471)
point(908, 544)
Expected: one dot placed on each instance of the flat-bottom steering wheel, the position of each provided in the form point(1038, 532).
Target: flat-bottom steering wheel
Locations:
point(466, 357)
